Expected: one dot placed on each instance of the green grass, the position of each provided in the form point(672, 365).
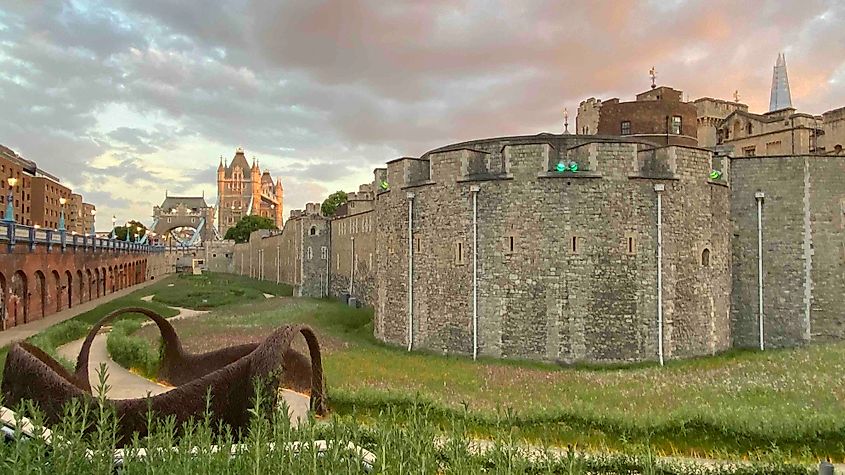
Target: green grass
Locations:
point(737, 405)
point(213, 290)
point(405, 441)
point(740, 404)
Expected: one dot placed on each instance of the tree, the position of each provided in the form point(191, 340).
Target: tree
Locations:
point(137, 228)
point(241, 231)
point(331, 203)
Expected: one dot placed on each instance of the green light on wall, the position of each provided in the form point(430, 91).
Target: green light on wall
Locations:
point(715, 174)
point(384, 185)
point(563, 166)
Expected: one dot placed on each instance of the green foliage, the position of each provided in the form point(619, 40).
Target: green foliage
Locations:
point(130, 351)
point(331, 203)
point(211, 290)
point(137, 228)
point(240, 232)
point(404, 441)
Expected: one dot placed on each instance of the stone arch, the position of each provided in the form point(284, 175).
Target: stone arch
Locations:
point(80, 286)
point(111, 279)
point(19, 298)
point(705, 257)
point(90, 280)
point(41, 293)
point(3, 297)
point(69, 287)
point(96, 282)
point(103, 281)
point(57, 284)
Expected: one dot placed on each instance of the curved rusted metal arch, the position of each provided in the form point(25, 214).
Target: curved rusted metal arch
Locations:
point(229, 374)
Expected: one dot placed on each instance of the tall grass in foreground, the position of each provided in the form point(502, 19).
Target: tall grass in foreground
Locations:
point(404, 441)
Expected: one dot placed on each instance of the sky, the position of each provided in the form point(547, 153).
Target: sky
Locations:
point(127, 100)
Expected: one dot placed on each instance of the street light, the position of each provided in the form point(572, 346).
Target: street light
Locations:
point(62, 202)
point(10, 207)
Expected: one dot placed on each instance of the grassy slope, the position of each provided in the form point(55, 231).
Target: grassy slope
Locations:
point(737, 402)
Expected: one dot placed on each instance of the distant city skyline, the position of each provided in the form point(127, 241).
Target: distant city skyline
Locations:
point(123, 100)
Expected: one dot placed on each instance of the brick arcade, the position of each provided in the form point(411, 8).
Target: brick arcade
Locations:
point(40, 275)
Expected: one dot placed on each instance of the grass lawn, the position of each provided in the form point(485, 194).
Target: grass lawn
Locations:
point(748, 404)
point(212, 290)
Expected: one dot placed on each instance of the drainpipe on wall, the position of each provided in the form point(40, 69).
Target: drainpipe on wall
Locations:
point(759, 196)
point(410, 270)
point(474, 189)
point(352, 267)
point(278, 265)
point(659, 189)
point(301, 259)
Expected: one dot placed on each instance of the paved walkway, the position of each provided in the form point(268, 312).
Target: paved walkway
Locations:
point(22, 332)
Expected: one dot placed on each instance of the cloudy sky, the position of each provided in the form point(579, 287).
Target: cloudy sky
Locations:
point(124, 99)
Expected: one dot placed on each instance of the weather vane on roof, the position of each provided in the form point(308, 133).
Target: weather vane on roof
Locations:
point(653, 73)
point(565, 121)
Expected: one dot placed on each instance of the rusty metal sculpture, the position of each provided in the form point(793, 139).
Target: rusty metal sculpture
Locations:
point(229, 374)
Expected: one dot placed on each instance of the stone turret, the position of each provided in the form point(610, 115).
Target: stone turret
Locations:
point(280, 198)
point(256, 186)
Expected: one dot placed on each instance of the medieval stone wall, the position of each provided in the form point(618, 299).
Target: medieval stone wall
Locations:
point(353, 244)
point(292, 256)
point(566, 261)
point(803, 222)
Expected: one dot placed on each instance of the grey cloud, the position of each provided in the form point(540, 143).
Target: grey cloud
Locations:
point(327, 90)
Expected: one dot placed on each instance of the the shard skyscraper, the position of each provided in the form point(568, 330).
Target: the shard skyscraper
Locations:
point(781, 99)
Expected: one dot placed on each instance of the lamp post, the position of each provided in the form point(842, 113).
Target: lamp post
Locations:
point(113, 226)
point(10, 206)
point(62, 202)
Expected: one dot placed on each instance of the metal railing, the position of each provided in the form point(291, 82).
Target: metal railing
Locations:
point(13, 234)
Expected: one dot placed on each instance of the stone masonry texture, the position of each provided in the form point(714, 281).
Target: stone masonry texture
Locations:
point(567, 261)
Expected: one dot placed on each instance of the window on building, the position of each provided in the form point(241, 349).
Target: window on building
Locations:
point(705, 257)
point(313, 231)
point(575, 244)
point(626, 127)
point(459, 253)
point(676, 124)
point(417, 245)
point(324, 253)
point(310, 254)
point(509, 244)
point(749, 151)
point(749, 129)
point(630, 245)
point(337, 260)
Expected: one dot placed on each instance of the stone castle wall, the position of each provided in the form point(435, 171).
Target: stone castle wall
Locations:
point(803, 221)
point(567, 261)
point(539, 295)
point(296, 255)
point(353, 243)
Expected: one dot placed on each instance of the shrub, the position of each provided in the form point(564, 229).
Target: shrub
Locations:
point(130, 351)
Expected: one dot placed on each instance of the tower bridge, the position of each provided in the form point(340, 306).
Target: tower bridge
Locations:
point(184, 221)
